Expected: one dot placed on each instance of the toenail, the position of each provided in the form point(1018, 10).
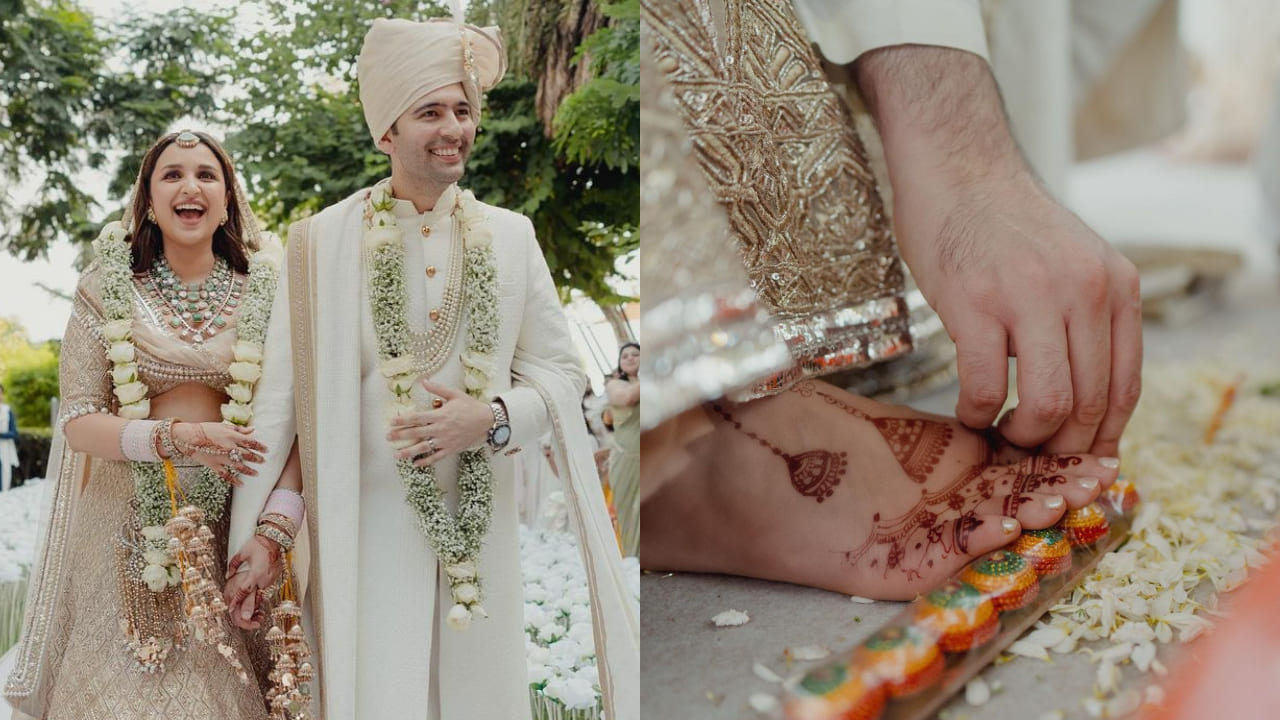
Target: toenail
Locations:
point(1053, 502)
point(1008, 525)
point(1088, 483)
point(1109, 462)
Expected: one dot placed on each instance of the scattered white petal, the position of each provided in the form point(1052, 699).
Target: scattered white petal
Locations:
point(860, 599)
point(1031, 650)
point(729, 618)
point(977, 692)
point(1154, 695)
point(764, 673)
point(763, 703)
point(1093, 706)
point(1143, 655)
point(1122, 704)
point(810, 652)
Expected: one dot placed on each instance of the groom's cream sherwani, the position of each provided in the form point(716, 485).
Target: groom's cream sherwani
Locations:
point(374, 596)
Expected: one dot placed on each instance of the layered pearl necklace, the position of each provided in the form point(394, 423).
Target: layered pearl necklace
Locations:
point(197, 310)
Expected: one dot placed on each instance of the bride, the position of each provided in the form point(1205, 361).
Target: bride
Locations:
point(157, 372)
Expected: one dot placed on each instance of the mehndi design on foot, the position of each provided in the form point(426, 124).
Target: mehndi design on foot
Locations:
point(814, 473)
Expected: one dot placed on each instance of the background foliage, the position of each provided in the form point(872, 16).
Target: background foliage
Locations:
point(79, 95)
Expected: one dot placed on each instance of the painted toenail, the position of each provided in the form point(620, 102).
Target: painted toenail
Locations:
point(1008, 525)
point(1088, 483)
point(1053, 502)
point(1109, 462)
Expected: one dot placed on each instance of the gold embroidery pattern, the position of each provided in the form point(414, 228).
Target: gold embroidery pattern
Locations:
point(779, 151)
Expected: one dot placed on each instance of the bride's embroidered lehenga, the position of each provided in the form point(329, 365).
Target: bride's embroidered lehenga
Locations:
point(73, 662)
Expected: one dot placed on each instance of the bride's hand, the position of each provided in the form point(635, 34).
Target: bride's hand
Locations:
point(224, 448)
point(261, 560)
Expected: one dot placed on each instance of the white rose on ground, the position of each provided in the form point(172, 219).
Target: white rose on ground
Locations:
point(459, 617)
point(246, 351)
point(246, 372)
point(140, 410)
point(121, 351)
point(117, 330)
point(131, 392)
point(234, 412)
point(240, 392)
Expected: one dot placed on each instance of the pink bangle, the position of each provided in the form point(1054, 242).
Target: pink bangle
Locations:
point(135, 441)
point(288, 503)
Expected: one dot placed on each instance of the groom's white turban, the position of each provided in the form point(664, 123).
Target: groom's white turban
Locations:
point(403, 60)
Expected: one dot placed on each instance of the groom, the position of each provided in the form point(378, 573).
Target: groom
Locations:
point(417, 343)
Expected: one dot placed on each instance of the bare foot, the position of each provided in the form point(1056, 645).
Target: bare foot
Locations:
point(819, 487)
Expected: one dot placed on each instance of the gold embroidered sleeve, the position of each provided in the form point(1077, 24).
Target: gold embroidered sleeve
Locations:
point(84, 371)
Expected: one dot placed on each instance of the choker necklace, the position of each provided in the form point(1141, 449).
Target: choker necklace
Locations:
point(197, 310)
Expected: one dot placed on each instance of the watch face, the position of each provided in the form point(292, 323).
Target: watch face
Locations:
point(501, 435)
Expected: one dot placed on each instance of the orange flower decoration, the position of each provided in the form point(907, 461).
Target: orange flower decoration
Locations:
point(1006, 577)
point(961, 616)
point(906, 658)
point(837, 691)
point(1048, 551)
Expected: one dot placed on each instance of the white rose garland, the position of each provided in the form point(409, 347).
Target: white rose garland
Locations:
point(150, 489)
point(454, 539)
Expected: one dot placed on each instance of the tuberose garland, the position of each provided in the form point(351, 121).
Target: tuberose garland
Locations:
point(455, 539)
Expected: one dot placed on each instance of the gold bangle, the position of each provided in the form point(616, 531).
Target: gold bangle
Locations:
point(271, 532)
point(280, 520)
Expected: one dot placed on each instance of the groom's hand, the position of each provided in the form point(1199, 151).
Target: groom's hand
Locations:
point(455, 423)
point(255, 567)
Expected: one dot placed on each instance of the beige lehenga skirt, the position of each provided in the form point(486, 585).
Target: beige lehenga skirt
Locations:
point(97, 676)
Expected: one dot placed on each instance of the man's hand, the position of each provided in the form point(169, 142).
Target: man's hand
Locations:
point(1009, 270)
point(246, 603)
point(459, 423)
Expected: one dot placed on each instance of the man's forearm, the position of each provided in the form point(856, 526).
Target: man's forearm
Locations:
point(949, 152)
point(938, 109)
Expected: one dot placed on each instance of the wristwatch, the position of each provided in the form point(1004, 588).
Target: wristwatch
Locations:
point(500, 433)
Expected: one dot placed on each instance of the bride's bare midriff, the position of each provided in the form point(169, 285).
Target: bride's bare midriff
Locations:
point(189, 402)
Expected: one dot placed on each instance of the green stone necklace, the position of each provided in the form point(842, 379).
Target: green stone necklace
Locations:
point(196, 310)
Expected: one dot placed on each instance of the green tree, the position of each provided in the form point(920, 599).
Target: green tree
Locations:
point(29, 373)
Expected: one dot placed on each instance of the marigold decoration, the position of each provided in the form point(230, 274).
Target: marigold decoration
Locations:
point(455, 539)
point(1048, 551)
point(961, 616)
point(906, 658)
point(161, 569)
point(1006, 577)
point(837, 691)
point(1085, 525)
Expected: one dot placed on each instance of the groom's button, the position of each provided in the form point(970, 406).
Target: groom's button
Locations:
point(431, 271)
point(434, 315)
point(426, 231)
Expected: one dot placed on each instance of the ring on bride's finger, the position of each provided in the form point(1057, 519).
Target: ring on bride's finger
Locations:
point(236, 455)
point(431, 443)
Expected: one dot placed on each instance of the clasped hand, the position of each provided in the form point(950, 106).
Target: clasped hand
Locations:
point(460, 422)
point(251, 571)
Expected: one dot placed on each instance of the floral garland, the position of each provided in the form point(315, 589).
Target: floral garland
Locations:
point(455, 540)
point(150, 488)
